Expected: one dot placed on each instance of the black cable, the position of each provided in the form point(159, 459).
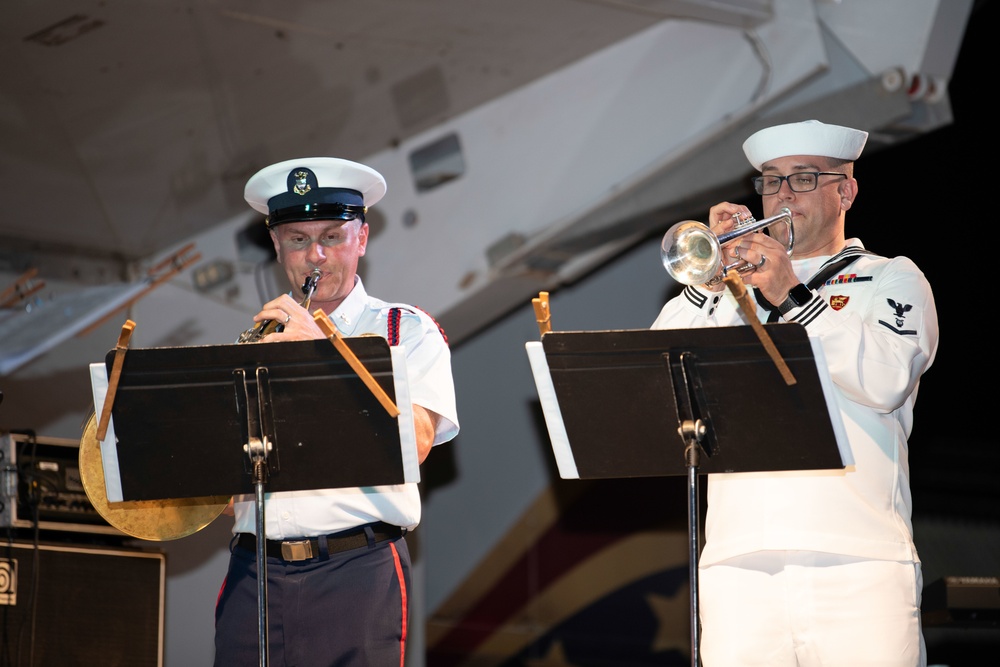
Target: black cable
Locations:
point(33, 496)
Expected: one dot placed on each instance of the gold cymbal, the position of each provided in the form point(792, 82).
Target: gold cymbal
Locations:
point(157, 520)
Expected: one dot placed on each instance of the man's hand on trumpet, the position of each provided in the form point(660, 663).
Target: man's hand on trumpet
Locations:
point(772, 274)
point(721, 219)
point(296, 322)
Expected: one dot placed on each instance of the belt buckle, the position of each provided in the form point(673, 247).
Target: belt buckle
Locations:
point(297, 550)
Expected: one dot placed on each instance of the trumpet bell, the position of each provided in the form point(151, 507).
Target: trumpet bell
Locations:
point(691, 253)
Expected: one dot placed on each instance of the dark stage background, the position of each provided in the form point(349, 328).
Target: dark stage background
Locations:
point(916, 200)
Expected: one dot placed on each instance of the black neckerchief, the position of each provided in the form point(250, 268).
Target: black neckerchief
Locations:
point(837, 263)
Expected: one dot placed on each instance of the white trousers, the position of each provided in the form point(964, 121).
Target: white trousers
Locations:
point(806, 609)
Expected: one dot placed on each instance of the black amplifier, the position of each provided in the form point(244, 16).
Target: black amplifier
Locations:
point(40, 486)
point(963, 601)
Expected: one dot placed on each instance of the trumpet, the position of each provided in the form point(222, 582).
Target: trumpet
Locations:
point(692, 254)
point(256, 333)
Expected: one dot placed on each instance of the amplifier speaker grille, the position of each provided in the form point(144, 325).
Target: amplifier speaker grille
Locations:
point(83, 606)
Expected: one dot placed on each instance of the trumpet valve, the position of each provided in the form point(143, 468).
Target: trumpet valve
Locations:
point(742, 220)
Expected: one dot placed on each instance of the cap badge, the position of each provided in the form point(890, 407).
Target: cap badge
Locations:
point(301, 183)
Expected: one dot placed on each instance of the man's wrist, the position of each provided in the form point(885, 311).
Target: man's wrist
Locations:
point(797, 297)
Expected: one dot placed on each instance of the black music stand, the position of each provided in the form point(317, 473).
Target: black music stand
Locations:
point(642, 403)
point(192, 422)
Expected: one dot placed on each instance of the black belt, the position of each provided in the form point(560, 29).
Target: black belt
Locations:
point(312, 547)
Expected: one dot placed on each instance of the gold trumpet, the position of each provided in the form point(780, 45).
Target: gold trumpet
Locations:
point(692, 253)
point(257, 333)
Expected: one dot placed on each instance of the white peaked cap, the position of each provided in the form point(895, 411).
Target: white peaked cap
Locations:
point(314, 188)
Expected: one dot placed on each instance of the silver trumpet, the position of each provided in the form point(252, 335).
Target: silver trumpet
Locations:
point(692, 254)
point(257, 333)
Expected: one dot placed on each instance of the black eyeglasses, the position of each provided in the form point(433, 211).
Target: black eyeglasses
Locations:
point(804, 181)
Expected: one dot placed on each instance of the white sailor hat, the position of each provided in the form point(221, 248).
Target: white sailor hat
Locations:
point(809, 137)
point(314, 188)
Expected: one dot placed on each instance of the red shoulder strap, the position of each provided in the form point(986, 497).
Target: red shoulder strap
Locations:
point(395, 315)
point(393, 326)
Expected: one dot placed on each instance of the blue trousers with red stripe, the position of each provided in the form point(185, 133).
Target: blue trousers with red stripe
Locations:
point(349, 610)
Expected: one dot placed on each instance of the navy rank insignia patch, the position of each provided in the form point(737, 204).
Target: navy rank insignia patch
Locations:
point(899, 311)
